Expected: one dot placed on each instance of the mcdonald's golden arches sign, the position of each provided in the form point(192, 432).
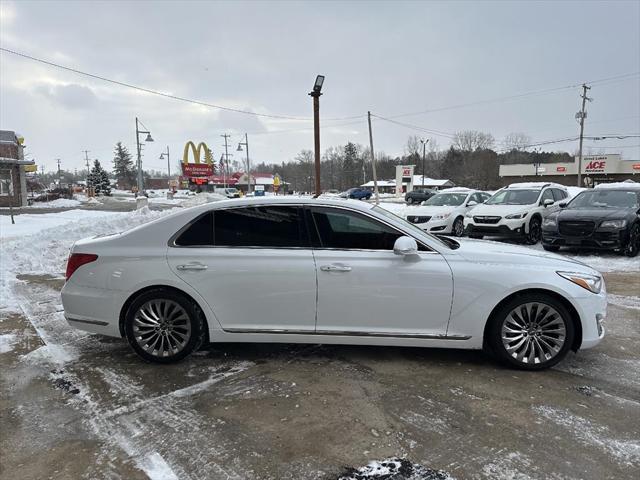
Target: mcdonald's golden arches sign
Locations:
point(197, 169)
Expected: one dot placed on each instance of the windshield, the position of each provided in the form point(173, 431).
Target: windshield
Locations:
point(446, 200)
point(514, 197)
point(606, 199)
point(452, 244)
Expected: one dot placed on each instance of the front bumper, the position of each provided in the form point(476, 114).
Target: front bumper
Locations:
point(600, 239)
point(509, 229)
point(436, 226)
point(593, 312)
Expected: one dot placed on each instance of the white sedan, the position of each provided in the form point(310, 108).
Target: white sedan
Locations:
point(294, 270)
point(444, 212)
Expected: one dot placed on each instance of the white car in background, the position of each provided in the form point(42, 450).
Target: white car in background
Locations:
point(444, 212)
point(303, 270)
point(516, 211)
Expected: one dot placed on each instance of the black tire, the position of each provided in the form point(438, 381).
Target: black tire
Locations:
point(136, 335)
point(633, 245)
point(476, 236)
point(457, 230)
point(409, 200)
point(550, 248)
point(562, 342)
point(535, 231)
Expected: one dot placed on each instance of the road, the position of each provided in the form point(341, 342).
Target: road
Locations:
point(80, 406)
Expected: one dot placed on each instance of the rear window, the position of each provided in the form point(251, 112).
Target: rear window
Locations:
point(199, 233)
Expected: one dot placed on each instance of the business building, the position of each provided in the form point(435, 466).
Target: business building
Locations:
point(13, 181)
point(595, 169)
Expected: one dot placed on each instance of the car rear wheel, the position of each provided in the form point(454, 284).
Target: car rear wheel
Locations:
point(409, 200)
point(535, 231)
point(458, 227)
point(163, 326)
point(633, 246)
point(531, 332)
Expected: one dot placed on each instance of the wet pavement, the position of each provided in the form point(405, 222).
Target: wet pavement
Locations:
point(75, 405)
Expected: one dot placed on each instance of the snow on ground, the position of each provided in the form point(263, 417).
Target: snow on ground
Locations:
point(59, 203)
point(7, 341)
point(393, 469)
point(39, 244)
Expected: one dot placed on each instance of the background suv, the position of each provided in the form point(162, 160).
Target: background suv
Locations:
point(444, 212)
point(516, 211)
point(607, 217)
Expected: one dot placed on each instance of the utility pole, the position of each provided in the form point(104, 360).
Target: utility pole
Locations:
point(373, 162)
point(86, 158)
point(58, 161)
point(226, 159)
point(315, 94)
point(581, 115)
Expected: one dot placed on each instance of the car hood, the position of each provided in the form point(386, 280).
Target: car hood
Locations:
point(430, 210)
point(499, 210)
point(593, 213)
point(484, 251)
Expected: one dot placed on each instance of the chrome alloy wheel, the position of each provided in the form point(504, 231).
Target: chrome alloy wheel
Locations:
point(161, 327)
point(533, 333)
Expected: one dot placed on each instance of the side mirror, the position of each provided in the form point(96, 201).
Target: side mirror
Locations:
point(547, 202)
point(405, 246)
point(471, 203)
point(563, 204)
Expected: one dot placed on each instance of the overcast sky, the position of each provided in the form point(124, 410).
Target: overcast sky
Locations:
point(388, 57)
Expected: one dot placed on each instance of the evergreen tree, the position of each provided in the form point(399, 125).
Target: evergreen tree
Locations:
point(123, 166)
point(350, 165)
point(99, 179)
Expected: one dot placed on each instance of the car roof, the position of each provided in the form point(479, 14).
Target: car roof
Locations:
point(535, 185)
point(285, 200)
point(629, 186)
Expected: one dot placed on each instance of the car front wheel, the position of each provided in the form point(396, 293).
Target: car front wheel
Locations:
point(163, 326)
point(458, 227)
point(535, 231)
point(531, 332)
point(633, 246)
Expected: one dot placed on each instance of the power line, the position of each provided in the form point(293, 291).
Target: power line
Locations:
point(167, 95)
point(416, 127)
point(601, 81)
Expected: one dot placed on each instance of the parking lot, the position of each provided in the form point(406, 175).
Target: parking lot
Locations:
point(81, 406)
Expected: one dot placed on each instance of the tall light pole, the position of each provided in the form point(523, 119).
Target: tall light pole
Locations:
point(315, 94)
point(168, 162)
point(139, 164)
point(239, 149)
point(424, 155)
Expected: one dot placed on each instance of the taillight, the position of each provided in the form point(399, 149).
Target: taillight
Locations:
point(76, 260)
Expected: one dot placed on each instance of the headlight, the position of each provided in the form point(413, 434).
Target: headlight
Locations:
point(613, 224)
point(515, 216)
point(441, 217)
point(549, 222)
point(593, 283)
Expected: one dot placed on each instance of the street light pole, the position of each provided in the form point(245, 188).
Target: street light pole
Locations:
point(239, 149)
point(315, 94)
point(139, 163)
point(168, 163)
point(424, 155)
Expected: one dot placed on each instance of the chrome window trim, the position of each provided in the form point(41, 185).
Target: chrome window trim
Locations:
point(171, 243)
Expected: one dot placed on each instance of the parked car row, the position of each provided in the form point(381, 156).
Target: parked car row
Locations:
point(607, 217)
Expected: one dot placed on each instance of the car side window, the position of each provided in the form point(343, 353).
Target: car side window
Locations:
point(559, 194)
point(547, 195)
point(346, 230)
point(477, 197)
point(198, 234)
point(260, 226)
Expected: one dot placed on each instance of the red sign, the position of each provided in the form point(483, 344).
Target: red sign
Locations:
point(561, 169)
point(595, 166)
point(197, 170)
point(636, 166)
point(406, 172)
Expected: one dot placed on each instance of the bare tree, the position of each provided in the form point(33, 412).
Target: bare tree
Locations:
point(471, 140)
point(413, 146)
point(517, 141)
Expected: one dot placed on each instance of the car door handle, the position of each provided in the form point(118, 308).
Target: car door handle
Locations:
point(335, 267)
point(192, 266)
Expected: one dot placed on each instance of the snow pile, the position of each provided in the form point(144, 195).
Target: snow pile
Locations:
point(59, 203)
point(393, 469)
point(39, 244)
point(7, 341)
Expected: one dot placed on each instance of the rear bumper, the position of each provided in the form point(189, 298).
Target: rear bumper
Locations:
point(604, 240)
point(92, 309)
